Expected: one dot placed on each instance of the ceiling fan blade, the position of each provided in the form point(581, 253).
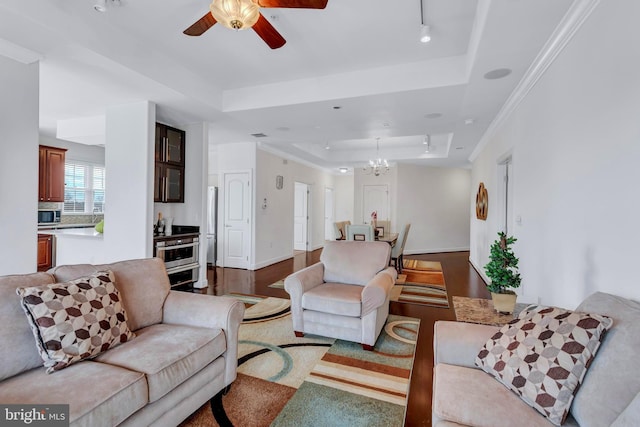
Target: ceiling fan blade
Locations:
point(268, 33)
point(305, 4)
point(201, 25)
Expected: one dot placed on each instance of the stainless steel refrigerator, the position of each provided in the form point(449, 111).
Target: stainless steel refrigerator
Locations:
point(212, 225)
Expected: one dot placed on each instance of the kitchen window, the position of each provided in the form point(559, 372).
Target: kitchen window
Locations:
point(83, 188)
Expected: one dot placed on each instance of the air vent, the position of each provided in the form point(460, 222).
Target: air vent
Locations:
point(258, 135)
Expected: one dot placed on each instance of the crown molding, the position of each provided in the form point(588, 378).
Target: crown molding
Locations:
point(577, 14)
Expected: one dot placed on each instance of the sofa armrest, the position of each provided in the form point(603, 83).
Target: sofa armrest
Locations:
point(376, 292)
point(458, 343)
point(297, 284)
point(208, 311)
point(303, 280)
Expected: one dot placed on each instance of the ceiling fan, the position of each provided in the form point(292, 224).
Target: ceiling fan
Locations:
point(243, 14)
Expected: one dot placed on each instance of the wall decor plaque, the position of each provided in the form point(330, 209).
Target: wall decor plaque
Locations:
point(482, 202)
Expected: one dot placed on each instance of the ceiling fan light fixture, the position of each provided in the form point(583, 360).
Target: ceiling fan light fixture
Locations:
point(425, 34)
point(235, 14)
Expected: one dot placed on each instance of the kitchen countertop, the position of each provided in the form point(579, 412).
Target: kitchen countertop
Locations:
point(60, 226)
point(83, 232)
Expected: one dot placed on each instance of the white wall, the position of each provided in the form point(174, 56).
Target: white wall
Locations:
point(343, 192)
point(436, 203)
point(19, 170)
point(129, 155)
point(575, 141)
point(274, 225)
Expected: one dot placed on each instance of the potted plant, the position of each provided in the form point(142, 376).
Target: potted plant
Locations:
point(502, 269)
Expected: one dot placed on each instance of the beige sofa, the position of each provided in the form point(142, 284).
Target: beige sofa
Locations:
point(608, 396)
point(346, 294)
point(184, 352)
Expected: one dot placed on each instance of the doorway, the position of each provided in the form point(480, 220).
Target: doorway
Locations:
point(505, 194)
point(237, 219)
point(329, 216)
point(375, 199)
point(300, 217)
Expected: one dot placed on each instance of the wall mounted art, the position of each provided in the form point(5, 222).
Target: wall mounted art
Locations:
point(482, 202)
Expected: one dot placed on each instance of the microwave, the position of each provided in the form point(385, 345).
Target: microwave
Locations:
point(49, 216)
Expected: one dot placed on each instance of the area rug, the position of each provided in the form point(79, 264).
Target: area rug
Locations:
point(312, 381)
point(423, 284)
point(480, 310)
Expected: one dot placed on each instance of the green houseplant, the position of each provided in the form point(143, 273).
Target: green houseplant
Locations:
point(502, 269)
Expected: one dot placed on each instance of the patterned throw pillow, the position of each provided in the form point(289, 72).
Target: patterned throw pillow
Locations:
point(75, 320)
point(543, 356)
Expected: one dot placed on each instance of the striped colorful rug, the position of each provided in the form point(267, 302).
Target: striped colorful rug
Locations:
point(421, 282)
point(312, 381)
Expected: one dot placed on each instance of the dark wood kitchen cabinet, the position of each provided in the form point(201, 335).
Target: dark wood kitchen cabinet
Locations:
point(169, 164)
point(45, 252)
point(51, 174)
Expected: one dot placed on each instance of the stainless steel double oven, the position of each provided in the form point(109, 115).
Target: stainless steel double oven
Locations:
point(181, 258)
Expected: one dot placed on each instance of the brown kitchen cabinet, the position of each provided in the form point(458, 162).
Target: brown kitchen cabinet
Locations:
point(169, 164)
point(45, 252)
point(51, 174)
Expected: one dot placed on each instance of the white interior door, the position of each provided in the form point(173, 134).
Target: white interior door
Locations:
point(237, 219)
point(328, 214)
point(376, 198)
point(300, 216)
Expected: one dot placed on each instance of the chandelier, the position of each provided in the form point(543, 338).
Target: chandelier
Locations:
point(378, 165)
point(235, 14)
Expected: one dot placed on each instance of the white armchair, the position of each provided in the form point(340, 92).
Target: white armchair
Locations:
point(346, 294)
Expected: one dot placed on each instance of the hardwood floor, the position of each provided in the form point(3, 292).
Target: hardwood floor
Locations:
point(460, 277)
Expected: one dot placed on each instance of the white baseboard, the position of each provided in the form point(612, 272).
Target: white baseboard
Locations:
point(480, 271)
point(434, 250)
point(201, 284)
point(269, 262)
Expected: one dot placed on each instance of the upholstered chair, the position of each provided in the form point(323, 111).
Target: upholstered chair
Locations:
point(397, 253)
point(360, 232)
point(346, 294)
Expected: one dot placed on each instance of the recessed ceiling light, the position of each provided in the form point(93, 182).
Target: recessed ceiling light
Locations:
point(497, 73)
point(432, 115)
point(259, 135)
point(336, 107)
point(343, 170)
point(469, 121)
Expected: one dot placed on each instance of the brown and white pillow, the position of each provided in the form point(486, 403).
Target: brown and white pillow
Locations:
point(543, 356)
point(75, 320)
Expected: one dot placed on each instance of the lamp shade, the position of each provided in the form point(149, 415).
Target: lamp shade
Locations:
point(235, 14)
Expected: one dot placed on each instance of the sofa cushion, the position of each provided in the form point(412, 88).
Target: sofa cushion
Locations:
point(143, 285)
point(22, 354)
point(334, 298)
point(544, 355)
point(470, 397)
point(613, 380)
point(354, 262)
point(97, 394)
point(75, 320)
point(167, 354)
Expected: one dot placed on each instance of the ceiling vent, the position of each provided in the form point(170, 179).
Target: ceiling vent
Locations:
point(258, 135)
